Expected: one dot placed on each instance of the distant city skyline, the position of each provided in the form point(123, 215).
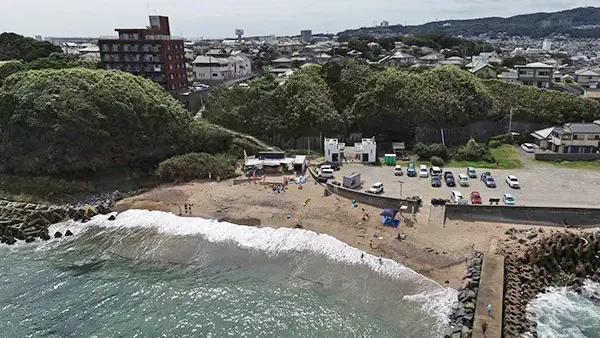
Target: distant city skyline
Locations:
point(209, 19)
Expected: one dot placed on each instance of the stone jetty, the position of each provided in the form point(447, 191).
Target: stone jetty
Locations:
point(28, 221)
point(463, 311)
point(536, 260)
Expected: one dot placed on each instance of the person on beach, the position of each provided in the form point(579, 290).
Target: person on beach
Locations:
point(380, 260)
point(362, 255)
point(484, 326)
point(371, 243)
point(185, 208)
point(179, 206)
point(489, 309)
point(190, 208)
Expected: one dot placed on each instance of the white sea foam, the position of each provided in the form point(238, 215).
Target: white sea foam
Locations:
point(436, 300)
point(562, 313)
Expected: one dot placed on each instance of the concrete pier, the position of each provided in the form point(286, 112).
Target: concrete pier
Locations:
point(491, 291)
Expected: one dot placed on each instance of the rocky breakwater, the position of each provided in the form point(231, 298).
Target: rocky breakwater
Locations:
point(535, 260)
point(28, 221)
point(463, 311)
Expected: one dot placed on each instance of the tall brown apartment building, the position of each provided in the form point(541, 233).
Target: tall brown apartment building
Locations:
point(150, 52)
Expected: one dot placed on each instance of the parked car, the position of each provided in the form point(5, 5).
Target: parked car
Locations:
point(487, 178)
point(398, 170)
point(457, 197)
point(475, 197)
point(508, 199)
point(325, 172)
point(332, 165)
point(463, 180)
point(513, 182)
point(436, 182)
point(435, 171)
point(449, 179)
point(377, 188)
point(423, 171)
point(471, 172)
point(410, 170)
point(528, 147)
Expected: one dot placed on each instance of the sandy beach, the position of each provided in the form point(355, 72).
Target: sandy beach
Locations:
point(430, 248)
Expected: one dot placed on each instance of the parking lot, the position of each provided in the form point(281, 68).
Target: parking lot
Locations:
point(541, 184)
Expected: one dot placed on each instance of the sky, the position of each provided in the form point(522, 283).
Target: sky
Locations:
point(219, 18)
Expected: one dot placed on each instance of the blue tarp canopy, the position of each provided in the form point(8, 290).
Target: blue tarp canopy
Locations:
point(390, 221)
point(391, 213)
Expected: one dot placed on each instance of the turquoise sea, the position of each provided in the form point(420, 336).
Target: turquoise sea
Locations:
point(153, 274)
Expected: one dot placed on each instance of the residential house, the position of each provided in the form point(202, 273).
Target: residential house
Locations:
point(484, 70)
point(322, 58)
point(588, 77)
point(219, 52)
point(399, 59)
point(570, 138)
point(309, 54)
point(510, 76)
point(282, 63)
point(209, 68)
point(453, 61)
point(536, 74)
point(431, 60)
point(372, 45)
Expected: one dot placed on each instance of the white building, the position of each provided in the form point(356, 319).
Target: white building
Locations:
point(368, 150)
point(331, 148)
point(208, 68)
point(547, 45)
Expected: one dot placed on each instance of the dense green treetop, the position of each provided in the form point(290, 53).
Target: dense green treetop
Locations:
point(375, 100)
point(75, 120)
point(17, 47)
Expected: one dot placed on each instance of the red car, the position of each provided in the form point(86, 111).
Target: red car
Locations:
point(475, 197)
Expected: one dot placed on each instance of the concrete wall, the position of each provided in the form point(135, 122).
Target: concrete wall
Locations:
point(566, 157)
point(368, 199)
point(581, 217)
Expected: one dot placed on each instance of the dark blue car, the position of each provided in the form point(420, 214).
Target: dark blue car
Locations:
point(487, 178)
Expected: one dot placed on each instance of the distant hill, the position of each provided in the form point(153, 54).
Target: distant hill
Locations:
point(583, 22)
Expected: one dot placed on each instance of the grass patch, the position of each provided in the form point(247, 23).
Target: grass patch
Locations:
point(506, 156)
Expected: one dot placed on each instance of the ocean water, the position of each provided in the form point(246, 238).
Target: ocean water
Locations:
point(561, 313)
point(153, 274)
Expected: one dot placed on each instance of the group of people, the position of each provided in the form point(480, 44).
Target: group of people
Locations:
point(187, 207)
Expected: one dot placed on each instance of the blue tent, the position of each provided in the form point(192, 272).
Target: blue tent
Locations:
point(390, 221)
point(391, 213)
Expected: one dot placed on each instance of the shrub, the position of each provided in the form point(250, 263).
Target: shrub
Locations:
point(427, 151)
point(494, 144)
point(192, 166)
point(437, 161)
point(473, 151)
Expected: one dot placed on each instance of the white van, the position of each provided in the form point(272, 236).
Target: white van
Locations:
point(326, 166)
point(423, 171)
point(457, 197)
point(435, 171)
point(326, 173)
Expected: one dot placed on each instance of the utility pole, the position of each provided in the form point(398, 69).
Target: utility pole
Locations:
point(400, 188)
point(510, 121)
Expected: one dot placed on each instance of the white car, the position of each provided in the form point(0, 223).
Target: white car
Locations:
point(513, 182)
point(528, 147)
point(423, 171)
point(377, 188)
point(457, 197)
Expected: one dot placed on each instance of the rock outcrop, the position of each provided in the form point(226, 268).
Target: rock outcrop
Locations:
point(463, 311)
point(28, 221)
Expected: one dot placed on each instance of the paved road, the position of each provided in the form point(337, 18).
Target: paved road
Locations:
point(542, 184)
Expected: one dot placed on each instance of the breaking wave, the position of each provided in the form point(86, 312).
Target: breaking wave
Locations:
point(435, 299)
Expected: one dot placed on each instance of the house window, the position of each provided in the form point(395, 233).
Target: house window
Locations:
point(170, 67)
point(170, 57)
point(576, 137)
point(543, 73)
point(566, 137)
point(215, 75)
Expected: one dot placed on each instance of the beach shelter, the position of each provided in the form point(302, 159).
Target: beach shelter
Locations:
point(390, 221)
point(390, 213)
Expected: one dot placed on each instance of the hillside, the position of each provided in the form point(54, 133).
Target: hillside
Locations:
point(533, 25)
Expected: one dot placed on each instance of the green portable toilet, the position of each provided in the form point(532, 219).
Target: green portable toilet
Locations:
point(389, 159)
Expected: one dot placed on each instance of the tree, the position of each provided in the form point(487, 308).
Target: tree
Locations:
point(81, 120)
point(17, 47)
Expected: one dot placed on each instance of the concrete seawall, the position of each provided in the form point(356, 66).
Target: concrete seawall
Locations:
point(551, 216)
point(368, 199)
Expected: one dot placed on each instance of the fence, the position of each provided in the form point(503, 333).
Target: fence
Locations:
point(307, 142)
point(481, 131)
point(567, 157)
